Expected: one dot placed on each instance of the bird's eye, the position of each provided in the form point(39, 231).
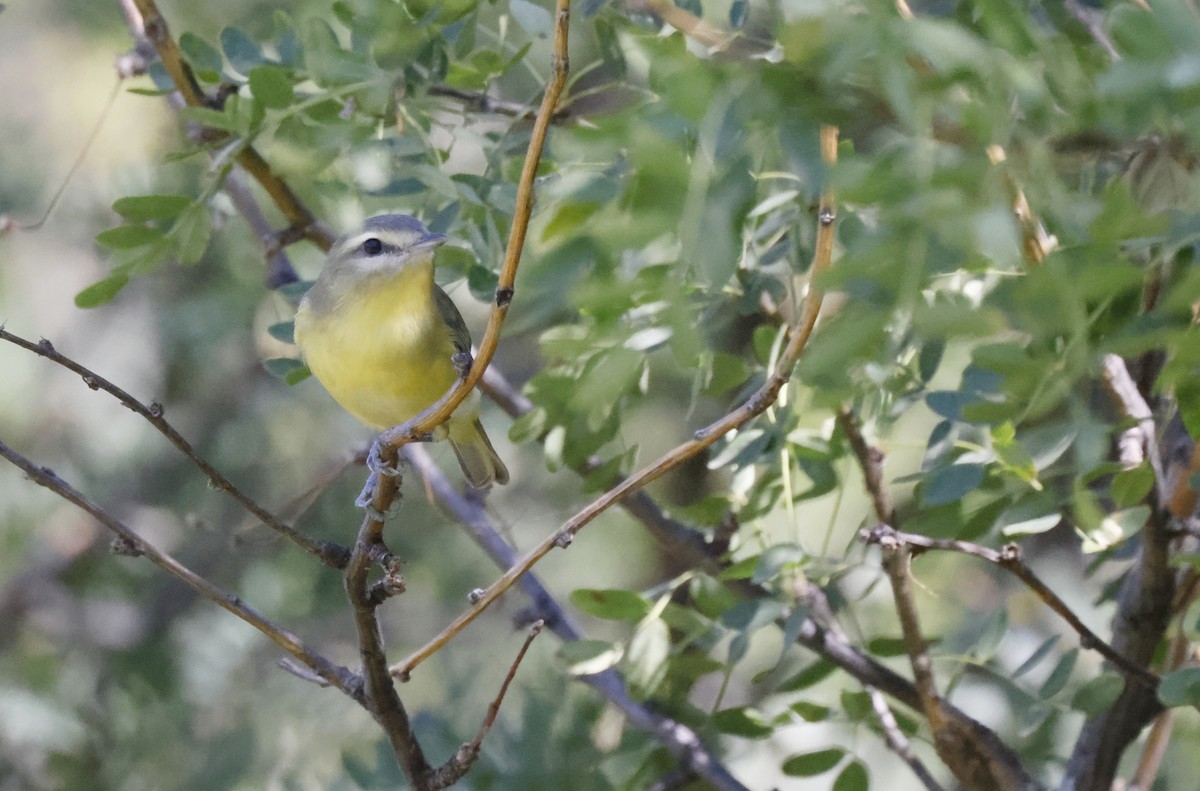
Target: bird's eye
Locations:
point(372, 246)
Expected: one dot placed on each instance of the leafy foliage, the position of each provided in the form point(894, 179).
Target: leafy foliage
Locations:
point(669, 250)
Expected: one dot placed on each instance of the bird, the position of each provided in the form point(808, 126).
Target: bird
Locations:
point(382, 337)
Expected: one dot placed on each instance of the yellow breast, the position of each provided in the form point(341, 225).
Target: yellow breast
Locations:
point(380, 349)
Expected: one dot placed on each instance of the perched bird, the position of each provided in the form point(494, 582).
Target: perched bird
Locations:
point(380, 335)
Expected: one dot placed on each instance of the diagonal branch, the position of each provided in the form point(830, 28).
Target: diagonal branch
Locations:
point(678, 739)
point(331, 554)
point(148, 23)
point(462, 760)
point(758, 403)
point(131, 543)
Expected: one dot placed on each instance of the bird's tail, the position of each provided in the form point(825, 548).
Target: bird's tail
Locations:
point(478, 459)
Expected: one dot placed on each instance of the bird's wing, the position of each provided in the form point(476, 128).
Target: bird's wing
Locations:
point(460, 336)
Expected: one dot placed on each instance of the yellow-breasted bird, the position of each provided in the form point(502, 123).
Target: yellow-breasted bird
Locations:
point(380, 335)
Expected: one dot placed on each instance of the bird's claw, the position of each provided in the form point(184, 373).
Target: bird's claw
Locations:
point(462, 362)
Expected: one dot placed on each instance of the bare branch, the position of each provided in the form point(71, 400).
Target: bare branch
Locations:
point(870, 460)
point(1009, 558)
point(753, 406)
point(897, 741)
point(133, 544)
point(460, 763)
point(332, 555)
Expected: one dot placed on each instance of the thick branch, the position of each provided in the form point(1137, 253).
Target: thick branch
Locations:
point(381, 697)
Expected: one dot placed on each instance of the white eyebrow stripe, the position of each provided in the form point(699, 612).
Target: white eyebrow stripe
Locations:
point(353, 242)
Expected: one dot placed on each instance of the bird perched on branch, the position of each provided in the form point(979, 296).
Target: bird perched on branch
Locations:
point(381, 337)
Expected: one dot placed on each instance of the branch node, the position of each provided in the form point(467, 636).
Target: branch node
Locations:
point(564, 539)
point(123, 546)
point(504, 296)
point(475, 596)
point(1010, 554)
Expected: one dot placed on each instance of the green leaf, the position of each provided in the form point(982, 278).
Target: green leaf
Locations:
point(1115, 528)
point(811, 712)
point(645, 660)
point(528, 427)
point(949, 484)
point(775, 560)
point(814, 763)
point(587, 657)
point(1037, 656)
point(1098, 694)
point(243, 52)
point(1059, 676)
point(283, 331)
point(272, 86)
point(204, 57)
point(127, 237)
point(192, 231)
point(611, 604)
point(282, 367)
point(1130, 487)
point(1180, 688)
point(853, 777)
point(813, 674)
point(743, 721)
point(143, 208)
point(103, 291)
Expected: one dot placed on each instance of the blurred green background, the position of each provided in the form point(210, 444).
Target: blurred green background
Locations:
point(673, 228)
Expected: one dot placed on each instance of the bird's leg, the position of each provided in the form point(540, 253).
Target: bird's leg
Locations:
point(462, 362)
point(377, 467)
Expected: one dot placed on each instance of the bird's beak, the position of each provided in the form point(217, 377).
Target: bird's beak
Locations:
point(430, 241)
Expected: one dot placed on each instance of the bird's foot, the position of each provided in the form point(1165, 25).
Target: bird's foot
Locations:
point(462, 362)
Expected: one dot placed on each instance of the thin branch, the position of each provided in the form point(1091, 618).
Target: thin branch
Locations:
point(897, 561)
point(1009, 558)
point(897, 741)
point(754, 406)
point(870, 461)
point(465, 757)
point(131, 543)
point(1093, 20)
point(331, 554)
